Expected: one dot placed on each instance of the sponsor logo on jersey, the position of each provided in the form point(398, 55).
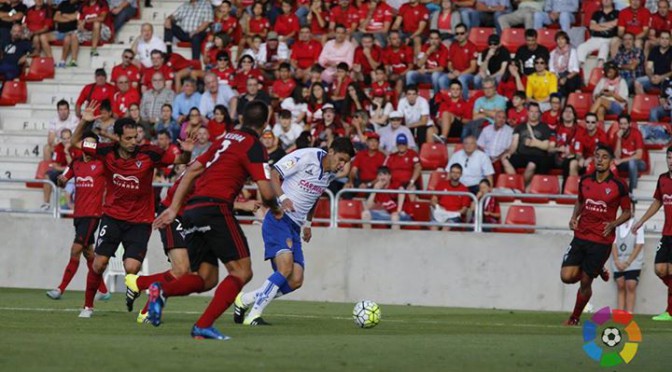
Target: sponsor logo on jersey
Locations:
point(310, 187)
point(598, 206)
point(84, 181)
point(667, 199)
point(130, 182)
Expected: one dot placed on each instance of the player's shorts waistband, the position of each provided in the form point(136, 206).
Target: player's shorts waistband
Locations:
point(206, 201)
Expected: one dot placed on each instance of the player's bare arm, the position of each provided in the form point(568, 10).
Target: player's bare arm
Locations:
point(653, 209)
point(307, 231)
point(269, 197)
point(88, 118)
point(576, 214)
point(623, 218)
point(286, 203)
point(168, 216)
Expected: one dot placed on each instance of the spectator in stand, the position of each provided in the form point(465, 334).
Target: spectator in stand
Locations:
point(287, 24)
point(368, 57)
point(663, 110)
point(366, 163)
point(227, 24)
point(189, 23)
point(380, 85)
point(165, 142)
point(495, 140)
point(60, 159)
point(253, 93)
point(326, 130)
point(375, 18)
point(512, 81)
point(491, 212)
point(485, 109)
point(305, 53)
point(344, 14)
point(527, 54)
point(565, 135)
point(390, 133)
point(449, 209)
point(154, 99)
point(660, 21)
point(355, 101)
point(296, 104)
point(216, 94)
point(142, 138)
point(11, 13)
point(453, 111)
point(254, 49)
point(658, 66)
point(415, 110)
point(272, 54)
point(226, 74)
point(167, 122)
point(38, 21)
point(404, 165)
point(285, 84)
point(339, 87)
point(104, 125)
point(633, 20)
point(245, 71)
point(462, 62)
point(275, 152)
point(603, 28)
point(220, 122)
point(65, 26)
point(611, 93)
point(124, 97)
point(336, 51)
point(126, 68)
point(517, 114)
point(183, 102)
point(202, 142)
point(530, 147)
point(557, 11)
point(121, 12)
point(158, 65)
point(412, 19)
point(98, 91)
point(467, 9)
point(63, 120)
point(398, 59)
point(318, 19)
point(316, 100)
point(564, 63)
point(134, 113)
point(13, 57)
point(92, 26)
point(628, 148)
point(630, 61)
point(524, 15)
point(492, 62)
point(445, 20)
point(256, 24)
point(586, 142)
point(145, 44)
point(431, 64)
point(384, 206)
point(189, 127)
point(379, 112)
point(541, 85)
point(552, 116)
point(476, 165)
point(287, 131)
point(488, 12)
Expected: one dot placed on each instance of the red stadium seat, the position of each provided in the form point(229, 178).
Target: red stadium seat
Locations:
point(519, 215)
point(13, 92)
point(571, 188)
point(479, 36)
point(513, 38)
point(425, 93)
point(40, 174)
point(323, 211)
point(419, 211)
point(595, 75)
point(546, 37)
point(581, 103)
point(642, 104)
point(588, 7)
point(433, 156)
point(510, 181)
point(350, 210)
point(40, 68)
point(543, 184)
point(434, 179)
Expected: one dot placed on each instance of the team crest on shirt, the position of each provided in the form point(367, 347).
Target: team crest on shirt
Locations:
point(138, 164)
point(93, 167)
point(607, 191)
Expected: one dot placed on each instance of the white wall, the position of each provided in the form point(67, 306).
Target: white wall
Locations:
point(399, 267)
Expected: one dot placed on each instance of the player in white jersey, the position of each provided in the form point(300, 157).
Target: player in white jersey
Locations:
point(305, 174)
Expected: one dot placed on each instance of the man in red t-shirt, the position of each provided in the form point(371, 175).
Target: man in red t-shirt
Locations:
point(450, 208)
point(375, 17)
point(517, 114)
point(217, 177)
point(660, 21)
point(462, 62)
point(126, 68)
point(124, 98)
point(635, 20)
point(628, 147)
point(129, 199)
point(404, 165)
point(89, 190)
point(99, 91)
point(364, 166)
point(594, 223)
point(305, 53)
point(398, 59)
point(95, 25)
point(368, 57)
point(287, 24)
point(431, 64)
point(346, 15)
point(662, 197)
point(586, 142)
point(158, 65)
point(285, 84)
point(384, 206)
point(453, 110)
point(413, 21)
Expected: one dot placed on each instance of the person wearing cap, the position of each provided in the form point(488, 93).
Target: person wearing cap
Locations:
point(338, 50)
point(384, 206)
point(99, 91)
point(189, 23)
point(611, 93)
point(404, 165)
point(271, 54)
point(366, 163)
point(272, 146)
point(389, 133)
point(493, 61)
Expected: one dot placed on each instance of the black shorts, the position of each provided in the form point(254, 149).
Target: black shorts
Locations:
point(172, 236)
point(543, 163)
point(590, 256)
point(133, 236)
point(85, 227)
point(213, 233)
point(628, 275)
point(664, 250)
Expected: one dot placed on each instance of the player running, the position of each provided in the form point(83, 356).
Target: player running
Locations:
point(663, 261)
point(305, 173)
point(129, 201)
point(89, 191)
point(212, 232)
point(594, 222)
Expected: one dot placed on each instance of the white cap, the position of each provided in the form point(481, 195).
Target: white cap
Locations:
point(396, 115)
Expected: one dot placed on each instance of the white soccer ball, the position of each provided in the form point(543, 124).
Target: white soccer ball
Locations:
point(366, 314)
point(611, 336)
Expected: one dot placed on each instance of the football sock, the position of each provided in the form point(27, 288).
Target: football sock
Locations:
point(184, 285)
point(270, 289)
point(249, 298)
point(581, 301)
point(669, 294)
point(146, 280)
point(102, 288)
point(225, 294)
point(93, 281)
point(69, 273)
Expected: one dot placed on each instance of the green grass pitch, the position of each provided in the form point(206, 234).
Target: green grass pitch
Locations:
point(39, 334)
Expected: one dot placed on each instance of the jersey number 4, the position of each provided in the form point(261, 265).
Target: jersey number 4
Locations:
point(225, 145)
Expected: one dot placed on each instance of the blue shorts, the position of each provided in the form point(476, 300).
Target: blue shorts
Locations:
point(60, 36)
point(383, 215)
point(615, 108)
point(280, 236)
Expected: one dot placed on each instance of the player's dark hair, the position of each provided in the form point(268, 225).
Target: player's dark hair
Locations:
point(603, 147)
point(122, 123)
point(343, 145)
point(530, 32)
point(255, 115)
point(105, 105)
point(62, 103)
point(164, 132)
point(456, 166)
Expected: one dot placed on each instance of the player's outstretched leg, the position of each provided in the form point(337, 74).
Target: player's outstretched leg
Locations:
point(69, 273)
point(158, 293)
point(103, 293)
point(663, 272)
point(582, 297)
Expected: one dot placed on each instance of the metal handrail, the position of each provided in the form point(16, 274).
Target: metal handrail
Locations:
point(53, 198)
point(475, 225)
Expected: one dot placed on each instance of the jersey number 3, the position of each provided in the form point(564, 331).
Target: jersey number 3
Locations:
point(225, 145)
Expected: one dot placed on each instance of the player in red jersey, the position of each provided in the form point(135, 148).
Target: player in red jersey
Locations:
point(89, 191)
point(663, 261)
point(129, 201)
point(594, 222)
point(213, 234)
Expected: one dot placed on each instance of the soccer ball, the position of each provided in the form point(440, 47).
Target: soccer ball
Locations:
point(366, 314)
point(611, 336)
